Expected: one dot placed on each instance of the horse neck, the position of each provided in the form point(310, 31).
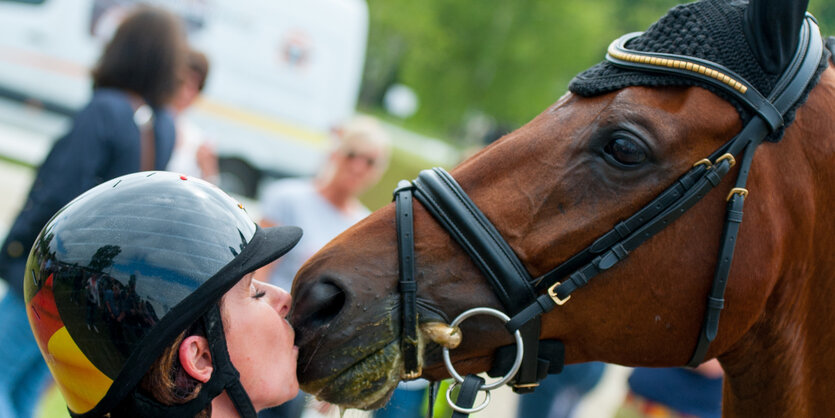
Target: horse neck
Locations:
point(784, 366)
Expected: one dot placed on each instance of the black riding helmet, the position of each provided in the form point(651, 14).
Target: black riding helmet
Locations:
point(118, 273)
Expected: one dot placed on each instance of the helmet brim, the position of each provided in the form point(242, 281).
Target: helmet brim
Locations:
point(276, 241)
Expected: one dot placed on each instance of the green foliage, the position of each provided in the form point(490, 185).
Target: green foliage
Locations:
point(506, 59)
point(824, 11)
point(404, 166)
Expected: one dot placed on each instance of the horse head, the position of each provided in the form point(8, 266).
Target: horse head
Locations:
point(619, 140)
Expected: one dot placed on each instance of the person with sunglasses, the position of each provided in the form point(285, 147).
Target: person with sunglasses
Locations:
point(323, 206)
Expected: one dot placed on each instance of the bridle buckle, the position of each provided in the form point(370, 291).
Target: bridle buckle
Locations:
point(727, 156)
point(413, 374)
point(705, 162)
point(552, 292)
point(737, 190)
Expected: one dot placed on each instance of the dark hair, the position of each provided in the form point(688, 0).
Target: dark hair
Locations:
point(198, 65)
point(145, 56)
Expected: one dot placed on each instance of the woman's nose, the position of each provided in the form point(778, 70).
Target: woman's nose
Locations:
point(280, 299)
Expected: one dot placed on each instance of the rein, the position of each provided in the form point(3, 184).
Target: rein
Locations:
point(526, 298)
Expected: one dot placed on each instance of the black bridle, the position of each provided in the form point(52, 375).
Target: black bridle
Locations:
point(526, 298)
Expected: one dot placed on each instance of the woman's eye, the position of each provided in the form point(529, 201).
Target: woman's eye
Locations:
point(257, 293)
point(625, 151)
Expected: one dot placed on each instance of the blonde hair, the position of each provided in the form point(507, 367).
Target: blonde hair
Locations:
point(364, 134)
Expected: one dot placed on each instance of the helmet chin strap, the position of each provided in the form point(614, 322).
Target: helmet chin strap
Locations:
point(225, 377)
point(224, 369)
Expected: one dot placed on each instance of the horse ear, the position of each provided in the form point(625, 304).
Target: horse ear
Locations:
point(772, 28)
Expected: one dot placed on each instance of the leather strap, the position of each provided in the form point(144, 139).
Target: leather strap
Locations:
point(618, 251)
point(451, 207)
point(467, 394)
point(625, 228)
point(551, 359)
point(408, 285)
point(788, 90)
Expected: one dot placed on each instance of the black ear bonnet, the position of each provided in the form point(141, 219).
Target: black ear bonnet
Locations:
point(713, 30)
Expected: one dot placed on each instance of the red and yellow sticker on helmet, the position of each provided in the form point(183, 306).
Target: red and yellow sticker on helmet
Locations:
point(80, 382)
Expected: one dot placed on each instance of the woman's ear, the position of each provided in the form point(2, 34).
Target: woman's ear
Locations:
point(196, 358)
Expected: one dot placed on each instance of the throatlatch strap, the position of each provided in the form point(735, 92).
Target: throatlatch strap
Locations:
point(788, 90)
point(408, 285)
point(467, 394)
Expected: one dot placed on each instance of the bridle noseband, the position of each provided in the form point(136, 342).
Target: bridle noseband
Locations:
point(526, 298)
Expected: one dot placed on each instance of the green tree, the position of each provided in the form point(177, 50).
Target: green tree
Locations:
point(508, 60)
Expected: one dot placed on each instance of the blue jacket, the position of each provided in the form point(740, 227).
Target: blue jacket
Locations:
point(102, 143)
point(679, 389)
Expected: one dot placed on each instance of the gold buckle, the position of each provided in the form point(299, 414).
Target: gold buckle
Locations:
point(413, 375)
point(703, 161)
point(737, 190)
point(728, 157)
point(552, 292)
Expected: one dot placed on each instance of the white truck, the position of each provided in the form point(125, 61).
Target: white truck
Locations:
point(283, 72)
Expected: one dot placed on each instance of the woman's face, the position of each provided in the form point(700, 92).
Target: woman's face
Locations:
point(357, 170)
point(260, 341)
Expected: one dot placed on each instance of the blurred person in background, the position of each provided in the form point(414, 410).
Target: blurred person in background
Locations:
point(323, 207)
point(192, 155)
point(674, 392)
point(124, 128)
point(328, 203)
point(558, 395)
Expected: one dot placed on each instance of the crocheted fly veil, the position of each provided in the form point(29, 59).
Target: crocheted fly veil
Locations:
point(713, 30)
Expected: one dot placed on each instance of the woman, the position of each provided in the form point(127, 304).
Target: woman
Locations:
point(124, 128)
point(329, 203)
point(195, 334)
point(193, 155)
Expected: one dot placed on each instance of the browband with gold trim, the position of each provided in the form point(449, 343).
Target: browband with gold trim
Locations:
point(698, 69)
point(679, 64)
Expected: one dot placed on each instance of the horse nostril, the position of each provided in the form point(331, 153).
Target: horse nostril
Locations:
point(319, 304)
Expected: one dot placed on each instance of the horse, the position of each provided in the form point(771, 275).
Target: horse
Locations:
point(626, 134)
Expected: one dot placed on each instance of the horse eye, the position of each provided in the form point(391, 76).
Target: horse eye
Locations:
point(625, 151)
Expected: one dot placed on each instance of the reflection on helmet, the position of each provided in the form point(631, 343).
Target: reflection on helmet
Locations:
point(107, 269)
